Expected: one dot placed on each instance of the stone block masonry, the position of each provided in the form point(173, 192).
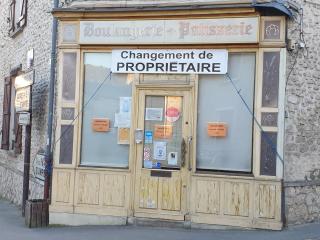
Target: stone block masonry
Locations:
point(13, 52)
point(302, 134)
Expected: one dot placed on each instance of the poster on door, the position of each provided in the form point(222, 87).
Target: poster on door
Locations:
point(173, 109)
point(160, 151)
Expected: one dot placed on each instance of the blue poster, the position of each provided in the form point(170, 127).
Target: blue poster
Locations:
point(148, 137)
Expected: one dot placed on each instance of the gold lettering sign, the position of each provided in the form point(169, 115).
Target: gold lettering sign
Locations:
point(217, 129)
point(163, 131)
point(101, 124)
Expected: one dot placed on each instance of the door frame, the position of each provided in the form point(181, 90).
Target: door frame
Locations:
point(188, 92)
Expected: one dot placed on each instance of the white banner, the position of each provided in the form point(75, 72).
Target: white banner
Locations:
point(205, 61)
point(180, 31)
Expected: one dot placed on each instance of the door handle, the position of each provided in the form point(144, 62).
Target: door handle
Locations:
point(183, 152)
point(189, 153)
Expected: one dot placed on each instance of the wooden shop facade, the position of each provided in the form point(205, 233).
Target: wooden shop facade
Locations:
point(173, 114)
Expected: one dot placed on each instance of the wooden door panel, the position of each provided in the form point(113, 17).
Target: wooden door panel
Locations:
point(148, 192)
point(170, 193)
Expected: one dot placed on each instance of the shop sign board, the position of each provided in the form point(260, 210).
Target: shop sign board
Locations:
point(189, 61)
point(171, 31)
point(22, 100)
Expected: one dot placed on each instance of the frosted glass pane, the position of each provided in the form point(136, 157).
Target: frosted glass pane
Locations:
point(69, 76)
point(270, 87)
point(269, 119)
point(66, 144)
point(102, 148)
point(219, 102)
point(268, 155)
point(67, 113)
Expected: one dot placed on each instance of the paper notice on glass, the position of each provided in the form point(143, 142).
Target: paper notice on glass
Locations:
point(154, 114)
point(147, 164)
point(160, 151)
point(173, 158)
point(122, 120)
point(123, 135)
point(125, 104)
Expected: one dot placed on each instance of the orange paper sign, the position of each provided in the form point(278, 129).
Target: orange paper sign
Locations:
point(101, 124)
point(217, 129)
point(163, 131)
point(123, 135)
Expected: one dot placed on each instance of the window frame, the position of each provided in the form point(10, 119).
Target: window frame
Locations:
point(254, 158)
point(17, 23)
point(61, 103)
point(80, 119)
point(14, 131)
point(258, 109)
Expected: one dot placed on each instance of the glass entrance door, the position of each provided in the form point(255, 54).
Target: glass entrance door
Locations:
point(162, 155)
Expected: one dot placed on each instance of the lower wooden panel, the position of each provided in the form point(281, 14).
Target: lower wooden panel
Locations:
point(208, 197)
point(113, 190)
point(223, 200)
point(91, 192)
point(88, 188)
point(236, 201)
point(62, 186)
point(268, 200)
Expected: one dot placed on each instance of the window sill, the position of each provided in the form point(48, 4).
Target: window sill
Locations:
point(234, 175)
point(216, 174)
point(16, 32)
point(103, 168)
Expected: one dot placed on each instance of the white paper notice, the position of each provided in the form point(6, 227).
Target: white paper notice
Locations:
point(154, 114)
point(172, 158)
point(125, 104)
point(122, 120)
point(160, 151)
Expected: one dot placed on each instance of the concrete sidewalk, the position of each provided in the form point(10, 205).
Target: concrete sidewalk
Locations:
point(12, 228)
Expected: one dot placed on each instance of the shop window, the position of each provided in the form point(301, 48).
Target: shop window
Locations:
point(107, 116)
point(67, 134)
point(219, 106)
point(17, 18)
point(11, 138)
point(270, 113)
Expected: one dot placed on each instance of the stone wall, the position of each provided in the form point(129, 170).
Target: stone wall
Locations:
point(302, 135)
point(13, 51)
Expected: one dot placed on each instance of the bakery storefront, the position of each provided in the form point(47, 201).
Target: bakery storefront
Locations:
point(170, 115)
